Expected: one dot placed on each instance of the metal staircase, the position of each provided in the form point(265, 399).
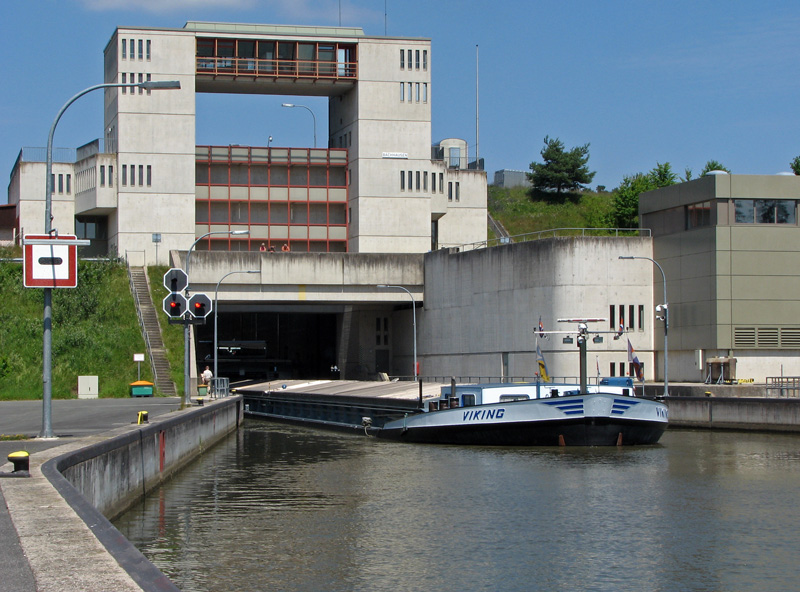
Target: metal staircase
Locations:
point(151, 331)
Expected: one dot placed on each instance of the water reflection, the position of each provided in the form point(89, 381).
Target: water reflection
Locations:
point(278, 507)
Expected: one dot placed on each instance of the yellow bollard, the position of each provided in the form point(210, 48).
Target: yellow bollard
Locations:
point(143, 418)
point(20, 460)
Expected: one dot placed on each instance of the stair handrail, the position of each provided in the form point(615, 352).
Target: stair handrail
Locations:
point(154, 370)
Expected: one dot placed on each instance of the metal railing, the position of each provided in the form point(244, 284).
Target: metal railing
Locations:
point(137, 302)
point(277, 68)
point(551, 233)
point(783, 386)
point(499, 379)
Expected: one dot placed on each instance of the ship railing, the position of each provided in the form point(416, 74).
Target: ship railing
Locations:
point(783, 386)
point(475, 379)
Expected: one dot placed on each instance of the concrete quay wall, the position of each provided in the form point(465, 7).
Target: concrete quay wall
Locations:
point(761, 414)
point(80, 485)
point(113, 474)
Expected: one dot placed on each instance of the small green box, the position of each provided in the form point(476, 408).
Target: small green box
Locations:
point(141, 388)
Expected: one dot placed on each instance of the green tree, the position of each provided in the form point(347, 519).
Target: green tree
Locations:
point(662, 175)
point(562, 170)
point(625, 210)
point(795, 164)
point(714, 165)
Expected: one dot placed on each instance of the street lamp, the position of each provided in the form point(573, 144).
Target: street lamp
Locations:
point(414, 320)
point(47, 341)
point(187, 358)
point(312, 115)
point(665, 309)
point(216, 312)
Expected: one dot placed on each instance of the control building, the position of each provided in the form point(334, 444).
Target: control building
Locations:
point(376, 185)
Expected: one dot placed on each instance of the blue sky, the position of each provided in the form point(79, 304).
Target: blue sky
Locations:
point(641, 82)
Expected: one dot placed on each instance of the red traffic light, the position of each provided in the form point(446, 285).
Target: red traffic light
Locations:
point(200, 306)
point(174, 305)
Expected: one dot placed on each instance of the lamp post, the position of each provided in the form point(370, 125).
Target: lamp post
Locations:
point(187, 358)
point(47, 341)
point(414, 320)
point(312, 115)
point(665, 308)
point(216, 311)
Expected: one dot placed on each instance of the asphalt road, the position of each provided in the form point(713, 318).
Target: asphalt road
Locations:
point(72, 418)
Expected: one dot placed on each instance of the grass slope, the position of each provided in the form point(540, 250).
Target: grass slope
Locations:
point(522, 212)
point(95, 332)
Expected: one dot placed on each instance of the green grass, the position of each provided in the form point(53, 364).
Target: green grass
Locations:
point(522, 212)
point(95, 332)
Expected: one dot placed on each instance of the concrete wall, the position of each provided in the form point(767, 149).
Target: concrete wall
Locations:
point(781, 415)
point(482, 306)
point(113, 474)
point(155, 130)
point(305, 277)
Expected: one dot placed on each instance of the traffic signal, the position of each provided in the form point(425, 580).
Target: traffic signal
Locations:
point(176, 280)
point(175, 305)
point(200, 306)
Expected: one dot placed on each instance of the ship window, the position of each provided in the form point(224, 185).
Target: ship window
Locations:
point(512, 398)
point(468, 400)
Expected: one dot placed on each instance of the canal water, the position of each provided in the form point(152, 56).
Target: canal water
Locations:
point(277, 507)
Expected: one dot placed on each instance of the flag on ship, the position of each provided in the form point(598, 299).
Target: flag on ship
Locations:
point(542, 364)
point(633, 359)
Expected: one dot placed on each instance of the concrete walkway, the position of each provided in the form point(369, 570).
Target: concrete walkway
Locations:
point(44, 545)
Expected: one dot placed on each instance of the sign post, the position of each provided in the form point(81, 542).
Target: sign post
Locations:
point(138, 358)
point(49, 261)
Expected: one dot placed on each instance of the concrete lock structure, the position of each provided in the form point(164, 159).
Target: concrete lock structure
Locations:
point(381, 204)
point(378, 187)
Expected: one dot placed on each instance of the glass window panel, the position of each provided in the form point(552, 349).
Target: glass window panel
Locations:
point(326, 55)
point(239, 213)
point(337, 214)
point(279, 175)
point(318, 213)
point(318, 177)
point(785, 212)
point(402, 55)
point(286, 57)
point(299, 176)
point(218, 213)
point(266, 56)
point(259, 213)
point(259, 175)
point(765, 211)
point(745, 209)
point(205, 48)
point(239, 174)
point(305, 54)
point(299, 213)
point(201, 212)
point(279, 213)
